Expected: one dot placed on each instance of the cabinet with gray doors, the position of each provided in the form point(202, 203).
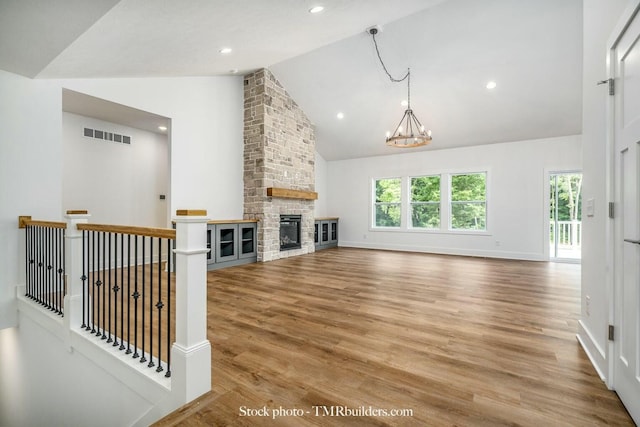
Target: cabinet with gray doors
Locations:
point(325, 233)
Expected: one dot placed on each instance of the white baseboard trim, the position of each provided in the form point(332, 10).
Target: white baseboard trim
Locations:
point(594, 352)
point(524, 256)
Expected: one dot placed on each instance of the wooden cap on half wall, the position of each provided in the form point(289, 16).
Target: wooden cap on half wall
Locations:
point(191, 212)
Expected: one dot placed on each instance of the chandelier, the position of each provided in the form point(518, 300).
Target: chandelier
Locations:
point(409, 132)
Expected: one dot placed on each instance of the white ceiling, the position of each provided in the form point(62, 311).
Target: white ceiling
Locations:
point(531, 48)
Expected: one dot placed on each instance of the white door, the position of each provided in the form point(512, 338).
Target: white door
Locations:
point(627, 223)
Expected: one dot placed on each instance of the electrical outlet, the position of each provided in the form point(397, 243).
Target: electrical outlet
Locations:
point(497, 242)
point(587, 305)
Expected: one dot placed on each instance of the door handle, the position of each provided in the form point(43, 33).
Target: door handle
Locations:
point(637, 242)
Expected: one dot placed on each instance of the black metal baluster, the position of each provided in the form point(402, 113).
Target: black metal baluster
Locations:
point(45, 273)
point(34, 268)
point(104, 285)
point(159, 305)
point(144, 285)
point(100, 274)
point(109, 290)
point(135, 302)
point(128, 294)
point(93, 282)
point(169, 256)
point(63, 266)
point(151, 364)
point(51, 269)
point(27, 273)
point(36, 262)
point(47, 268)
point(41, 274)
point(56, 271)
point(43, 262)
point(122, 292)
point(32, 262)
point(84, 280)
point(115, 289)
point(98, 283)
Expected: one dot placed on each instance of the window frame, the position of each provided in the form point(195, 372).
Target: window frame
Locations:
point(375, 204)
point(445, 203)
point(411, 203)
point(451, 203)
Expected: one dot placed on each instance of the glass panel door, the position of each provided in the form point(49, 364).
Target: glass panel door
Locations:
point(565, 216)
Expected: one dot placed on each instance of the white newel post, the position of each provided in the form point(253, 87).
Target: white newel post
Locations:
point(191, 353)
point(73, 269)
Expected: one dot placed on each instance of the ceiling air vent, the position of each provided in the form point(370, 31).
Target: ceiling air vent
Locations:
point(107, 136)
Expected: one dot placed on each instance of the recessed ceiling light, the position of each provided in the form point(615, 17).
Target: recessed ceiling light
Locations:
point(225, 50)
point(491, 85)
point(316, 9)
point(404, 103)
point(340, 116)
point(162, 128)
point(233, 71)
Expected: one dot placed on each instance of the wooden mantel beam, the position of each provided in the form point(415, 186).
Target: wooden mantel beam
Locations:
point(285, 193)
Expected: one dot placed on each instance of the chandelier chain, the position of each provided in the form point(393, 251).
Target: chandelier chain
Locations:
point(406, 77)
point(373, 34)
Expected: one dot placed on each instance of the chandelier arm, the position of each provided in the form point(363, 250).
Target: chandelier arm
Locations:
point(395, 132)
point(420, 126)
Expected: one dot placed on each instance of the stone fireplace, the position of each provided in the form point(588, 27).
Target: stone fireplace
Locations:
point(279, 152)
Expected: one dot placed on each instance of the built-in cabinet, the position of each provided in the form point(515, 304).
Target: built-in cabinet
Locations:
point(231, 243)
point(325, 233)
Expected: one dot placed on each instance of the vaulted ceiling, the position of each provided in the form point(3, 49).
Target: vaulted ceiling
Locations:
point(532, 49)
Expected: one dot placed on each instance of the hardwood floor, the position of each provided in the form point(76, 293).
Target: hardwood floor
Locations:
point(456, 341)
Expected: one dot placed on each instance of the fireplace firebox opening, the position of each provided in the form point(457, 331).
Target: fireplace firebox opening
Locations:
point(290, 236)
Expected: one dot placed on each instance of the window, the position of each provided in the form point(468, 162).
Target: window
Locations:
point(468, 196)
point(425, 202)
point(388, 202)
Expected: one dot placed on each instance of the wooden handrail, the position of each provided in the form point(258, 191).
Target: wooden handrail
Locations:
point(163, 233)
point(24, 221)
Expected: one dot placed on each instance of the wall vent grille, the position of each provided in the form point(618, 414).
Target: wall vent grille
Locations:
point(107, 136)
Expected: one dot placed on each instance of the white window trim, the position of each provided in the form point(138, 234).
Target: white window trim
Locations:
point(445, 205)
point(409, 221)
point(486, 203)
point(373, 204)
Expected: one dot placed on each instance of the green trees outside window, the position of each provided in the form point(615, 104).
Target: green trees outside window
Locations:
point(388, 202)
point(468, 197)
point(425, 202)
point(465, 195)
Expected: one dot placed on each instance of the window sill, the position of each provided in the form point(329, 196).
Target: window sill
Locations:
point(432, 231)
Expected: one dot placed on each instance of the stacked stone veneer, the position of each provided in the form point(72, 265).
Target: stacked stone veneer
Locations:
point(279, 151)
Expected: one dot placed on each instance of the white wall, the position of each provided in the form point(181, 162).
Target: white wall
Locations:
point(206, 134)
point(44, 384)
point(30, 171)
point(320, 206)
point(516, 196)
point(600, 16)
point(118, 183)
